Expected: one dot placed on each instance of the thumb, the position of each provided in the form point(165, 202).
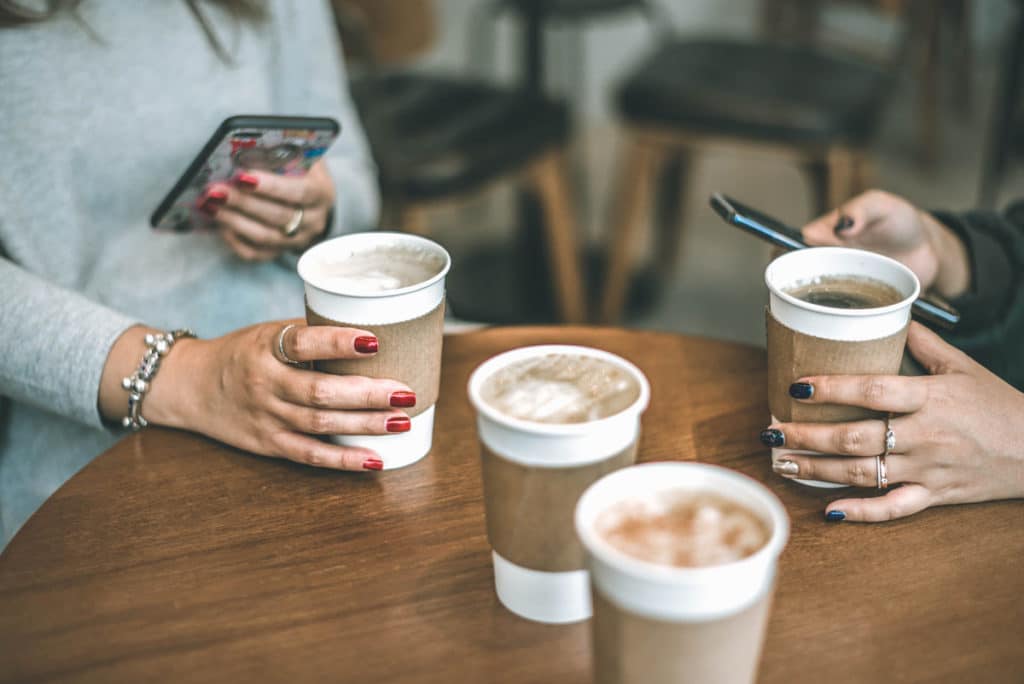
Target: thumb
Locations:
point(935, 354)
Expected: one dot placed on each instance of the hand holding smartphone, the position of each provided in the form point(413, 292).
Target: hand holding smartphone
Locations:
point(772, 230)
point(280, 144)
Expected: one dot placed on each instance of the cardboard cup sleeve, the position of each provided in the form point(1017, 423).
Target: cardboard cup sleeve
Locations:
point(530, 509)
point(410, 352)
point(793, 355)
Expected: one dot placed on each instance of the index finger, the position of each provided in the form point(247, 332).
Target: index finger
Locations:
point(821, 231)
point(295, 191)
point(325, 342)
point(892, 393)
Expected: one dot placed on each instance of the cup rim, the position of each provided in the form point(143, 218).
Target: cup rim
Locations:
point(371, 238)
point(833, 311)
point(486, 369)
point(597, 546)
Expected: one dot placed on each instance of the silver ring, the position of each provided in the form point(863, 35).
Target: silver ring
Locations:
point(882, 472)
point(282, 356)
point(294, 223)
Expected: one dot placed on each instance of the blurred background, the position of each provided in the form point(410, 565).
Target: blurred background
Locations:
point(564, 150)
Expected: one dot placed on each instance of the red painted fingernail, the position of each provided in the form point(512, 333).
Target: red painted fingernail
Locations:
point(403, 399)
point(366, 344)
point(398, 424)
point(216, 194)
point(373, 464)
point(210, 207)
point(248, 180)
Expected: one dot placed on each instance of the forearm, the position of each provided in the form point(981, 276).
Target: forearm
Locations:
point(53, 345)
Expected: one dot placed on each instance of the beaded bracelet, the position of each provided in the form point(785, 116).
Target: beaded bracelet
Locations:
point(137, 384)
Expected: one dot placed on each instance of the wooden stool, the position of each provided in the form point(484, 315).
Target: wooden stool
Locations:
point(783, 100)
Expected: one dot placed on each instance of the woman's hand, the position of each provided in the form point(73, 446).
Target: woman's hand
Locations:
point(236, 389)
point(890, 225)
point(254, 214)
point(959, 435)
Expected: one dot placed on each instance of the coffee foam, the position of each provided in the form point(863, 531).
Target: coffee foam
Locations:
point(560, 389)
point(381, 268)
point(683, 528)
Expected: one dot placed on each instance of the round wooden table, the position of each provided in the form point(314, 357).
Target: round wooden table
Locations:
point(173, 558)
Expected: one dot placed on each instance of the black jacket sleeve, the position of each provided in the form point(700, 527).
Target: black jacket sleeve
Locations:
point(992, 325)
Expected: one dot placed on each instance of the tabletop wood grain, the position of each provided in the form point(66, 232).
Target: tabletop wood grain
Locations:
point(173, 558)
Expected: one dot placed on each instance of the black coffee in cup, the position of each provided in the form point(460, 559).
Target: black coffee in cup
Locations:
point(846, 292)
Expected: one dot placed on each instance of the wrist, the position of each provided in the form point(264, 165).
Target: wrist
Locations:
point(172, 396)
point(953, 277)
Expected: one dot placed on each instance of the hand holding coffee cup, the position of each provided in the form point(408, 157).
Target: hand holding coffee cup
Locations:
point(242, 389)
point(831, 310)
point(393, 286)
point(957, 435)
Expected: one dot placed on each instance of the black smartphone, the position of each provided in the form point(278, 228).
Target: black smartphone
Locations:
point(288, 145)
point(781, 235)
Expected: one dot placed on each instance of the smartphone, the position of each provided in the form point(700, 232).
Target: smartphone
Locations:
point(925, 309)
point(288, 145)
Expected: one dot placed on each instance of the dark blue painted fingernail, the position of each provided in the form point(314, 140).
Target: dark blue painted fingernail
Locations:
point(772, 437)
point(835, 516)
point(844, 223)
point(801, 390)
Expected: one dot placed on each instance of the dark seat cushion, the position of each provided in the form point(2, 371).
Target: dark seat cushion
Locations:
point(763, 91)
point(435, 136)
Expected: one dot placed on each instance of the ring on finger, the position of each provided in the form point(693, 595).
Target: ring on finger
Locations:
point(282, 355)
point(293, 224)
point(882, 472)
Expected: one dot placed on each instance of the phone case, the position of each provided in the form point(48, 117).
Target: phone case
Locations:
point(284, 145)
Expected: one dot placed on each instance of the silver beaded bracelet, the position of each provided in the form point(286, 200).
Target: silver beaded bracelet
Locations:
point(158, 345)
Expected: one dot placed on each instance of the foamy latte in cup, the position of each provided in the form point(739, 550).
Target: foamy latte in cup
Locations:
point(551, 420)
point(682, 560)
point(392, 285)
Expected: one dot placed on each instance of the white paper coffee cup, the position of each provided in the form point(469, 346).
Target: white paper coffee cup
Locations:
point(407, 321)
point(669, 623)
point(841, 325)
point(550, 465)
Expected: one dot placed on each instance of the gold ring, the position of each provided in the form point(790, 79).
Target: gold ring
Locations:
point(293, 224)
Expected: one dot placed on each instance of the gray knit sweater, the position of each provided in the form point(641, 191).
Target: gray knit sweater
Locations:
point(95, 125)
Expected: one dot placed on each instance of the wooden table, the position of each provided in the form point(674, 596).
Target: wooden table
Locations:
point(172, 558)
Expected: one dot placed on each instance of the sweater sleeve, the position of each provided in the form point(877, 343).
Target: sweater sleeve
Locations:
point(53, 345)
point(992, 311)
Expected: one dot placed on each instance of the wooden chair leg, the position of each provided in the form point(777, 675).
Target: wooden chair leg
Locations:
point(840, 174)
point(414, 219)
point(818, 178)
point(549, 179)
point(670, 208)
point(634, 189)
point(862, 175)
